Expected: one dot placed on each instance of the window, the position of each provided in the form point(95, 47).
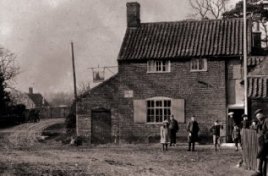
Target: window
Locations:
point(199, 65)
point(158, 110)
point(154, 66)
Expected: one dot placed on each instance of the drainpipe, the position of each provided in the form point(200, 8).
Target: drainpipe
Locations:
point(245, 57)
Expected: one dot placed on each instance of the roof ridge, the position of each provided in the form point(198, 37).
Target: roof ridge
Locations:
point(192, 21)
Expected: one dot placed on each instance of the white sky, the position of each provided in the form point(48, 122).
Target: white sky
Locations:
point(39, 33)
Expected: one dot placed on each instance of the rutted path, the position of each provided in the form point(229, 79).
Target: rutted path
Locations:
point(25, 135)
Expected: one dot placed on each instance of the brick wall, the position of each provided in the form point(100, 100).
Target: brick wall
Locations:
point(207, 103)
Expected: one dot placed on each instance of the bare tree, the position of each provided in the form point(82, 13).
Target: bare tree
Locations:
point(8, 70)
point(60, 98)
point(8, 67)
point(83, 88)
point(208, 8)
point(257, 13)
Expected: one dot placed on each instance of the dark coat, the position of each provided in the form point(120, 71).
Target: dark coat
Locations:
point(173, 126)
point(245, 124)
point(262, 130)
point(216, 130)
point(193, 129)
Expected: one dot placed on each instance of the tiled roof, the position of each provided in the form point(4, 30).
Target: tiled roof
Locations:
point(38, 99)
point(258, 87)
point(184, 39)
point(255, 60)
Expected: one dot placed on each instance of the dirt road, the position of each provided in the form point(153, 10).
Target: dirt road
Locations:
point(147, 160)
point(23, 155)
point(25, 135)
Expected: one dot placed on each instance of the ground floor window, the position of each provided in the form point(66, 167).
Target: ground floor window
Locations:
point(158, 110)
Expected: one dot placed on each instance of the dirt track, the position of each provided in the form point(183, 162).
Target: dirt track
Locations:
point(25, 135)
point(24, 155)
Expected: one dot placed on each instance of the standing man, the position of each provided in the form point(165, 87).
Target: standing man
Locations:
point(193, 130)
point(262, 131)
point(173, 128)
point(216, 132)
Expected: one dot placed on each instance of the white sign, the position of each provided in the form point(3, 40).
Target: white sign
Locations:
point(128, 93)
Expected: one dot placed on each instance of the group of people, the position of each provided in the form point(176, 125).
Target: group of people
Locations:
point(168, 132)
point(260, 124)
point(236, 132)
point(170, 128)
point(261, 127)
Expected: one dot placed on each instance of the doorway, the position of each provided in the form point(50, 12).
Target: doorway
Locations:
point(234, 117)
point(101, 126)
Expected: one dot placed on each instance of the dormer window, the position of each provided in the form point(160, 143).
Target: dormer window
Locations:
point(158, 66)
point(199, 65)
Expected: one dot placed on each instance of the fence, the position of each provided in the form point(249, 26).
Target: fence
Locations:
point(250, 148)
point(54, 112)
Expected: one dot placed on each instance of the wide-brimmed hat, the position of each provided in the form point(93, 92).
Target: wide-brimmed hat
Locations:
point(165, 122)
point(231, 113)
point(258, 111)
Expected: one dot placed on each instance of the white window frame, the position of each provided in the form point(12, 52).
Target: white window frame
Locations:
point(163, 109)
point(157, 66)
point(196, 62)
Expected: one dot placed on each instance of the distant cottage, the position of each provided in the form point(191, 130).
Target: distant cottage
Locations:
point(183, 68)
point(17, 97)
point(38, 99)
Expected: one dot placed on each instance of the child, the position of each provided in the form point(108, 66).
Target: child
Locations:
point(236, 136)
point(164, 135)
point(254, 126)
point(215, 130)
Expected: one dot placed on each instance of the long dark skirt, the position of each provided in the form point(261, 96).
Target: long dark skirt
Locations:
point(173, 137)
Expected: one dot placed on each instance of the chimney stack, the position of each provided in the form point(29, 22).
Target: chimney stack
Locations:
point(133, 14)
point(30, 90)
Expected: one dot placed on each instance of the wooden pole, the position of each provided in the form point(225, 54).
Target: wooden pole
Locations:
point(75, 91)
point(245, 57)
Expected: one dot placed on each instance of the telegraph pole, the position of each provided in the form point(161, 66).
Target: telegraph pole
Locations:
point(75, 91)
point(245, 63)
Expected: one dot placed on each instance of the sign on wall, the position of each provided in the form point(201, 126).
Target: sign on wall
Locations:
point(128, 94)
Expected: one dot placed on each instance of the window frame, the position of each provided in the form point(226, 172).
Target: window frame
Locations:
point(158, 66)
point(156, 109)
point(196, 62)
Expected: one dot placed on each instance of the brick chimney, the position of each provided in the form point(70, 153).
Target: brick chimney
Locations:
point(256, 40)
point(30, 90)
point(133, 14)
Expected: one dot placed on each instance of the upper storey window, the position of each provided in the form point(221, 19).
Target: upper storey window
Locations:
point(158, 66)
point(199, 65)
